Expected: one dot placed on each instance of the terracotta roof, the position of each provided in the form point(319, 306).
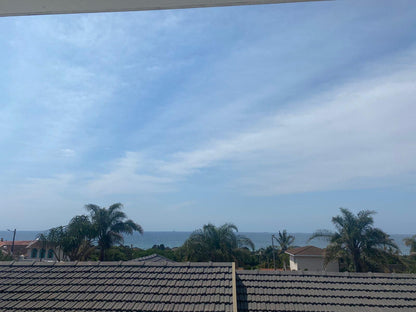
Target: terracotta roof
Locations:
point(306, 251)
point(16, 243)
point(153, 258)
point(335, 292)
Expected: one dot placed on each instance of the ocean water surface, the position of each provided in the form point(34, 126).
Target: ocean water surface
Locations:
point(176, 239)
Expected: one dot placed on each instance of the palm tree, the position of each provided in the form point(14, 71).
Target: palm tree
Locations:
point(109, 224)
point(411, 242)
point(213, 243)
point(357, 241)
point(78, 238)
point(74, 239)
point(285, 242)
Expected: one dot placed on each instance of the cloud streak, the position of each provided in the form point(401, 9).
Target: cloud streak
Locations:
point(210, 120)
point(354, 135)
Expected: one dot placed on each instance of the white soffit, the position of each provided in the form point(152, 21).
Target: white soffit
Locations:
point(38, 7)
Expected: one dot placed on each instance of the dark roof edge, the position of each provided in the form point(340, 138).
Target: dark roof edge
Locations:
point(327, 274)
point(115, 263)
point(295, 255)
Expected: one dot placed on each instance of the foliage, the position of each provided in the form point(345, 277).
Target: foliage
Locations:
point(410, 263)
point(119, 253)
point(361, 246)
point(74, 240)
point(160, 247)
point(79, 240)
point(265, 258)
point(103, 226)
point(245, 258)
point(53, 238)
point(213, 243)
point(411, 242)
point(285, 241)
point(108, 225)
point(356, 243)
point(5, 257)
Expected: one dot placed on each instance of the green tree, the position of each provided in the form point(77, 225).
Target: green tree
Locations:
point(357, 242)
point(74, 239)
point(213, 243)
point(78, 239)
point(285, 242)
point(109, 225)
point(5, 257)
point(53, 239)
point(411, 242)
point(265, 257)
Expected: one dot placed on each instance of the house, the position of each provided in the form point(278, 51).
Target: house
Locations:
point(19, 247)
point(38, 250)
point(172, 286)
point(310, 258)
point(32, 250)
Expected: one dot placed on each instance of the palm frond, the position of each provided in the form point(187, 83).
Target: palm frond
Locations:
point(325, 234)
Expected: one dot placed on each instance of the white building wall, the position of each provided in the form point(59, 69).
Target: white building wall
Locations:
point(311, 263)
point(332, 267)
point(293, 263)
point(38, 254)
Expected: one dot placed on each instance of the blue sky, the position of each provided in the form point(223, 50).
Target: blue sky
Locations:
point(269, 116)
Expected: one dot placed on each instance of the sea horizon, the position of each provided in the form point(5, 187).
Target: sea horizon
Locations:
point(174, 239)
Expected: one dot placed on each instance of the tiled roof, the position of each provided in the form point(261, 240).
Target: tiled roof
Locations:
point(335, 292)
point(306, 251)
point(153, 258)
point(164, 286)
point(123, 286)
point(16, 243)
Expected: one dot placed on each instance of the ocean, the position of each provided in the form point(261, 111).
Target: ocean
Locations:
point(176, 239)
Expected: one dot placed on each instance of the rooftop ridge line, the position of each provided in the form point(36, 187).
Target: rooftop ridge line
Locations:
point(234, 289)
point(115, 263)
point(330, 274)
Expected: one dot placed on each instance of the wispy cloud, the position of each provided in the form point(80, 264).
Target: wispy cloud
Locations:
point(127, 176)
point(355, 134)
point(241, 107)
point(67, 152)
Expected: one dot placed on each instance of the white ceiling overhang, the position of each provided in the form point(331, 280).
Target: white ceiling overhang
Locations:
point(38, 7)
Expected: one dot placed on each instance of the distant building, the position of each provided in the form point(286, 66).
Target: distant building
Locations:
point(310, 258)
point(29, 250)
point(37, 250)
point(19, 248)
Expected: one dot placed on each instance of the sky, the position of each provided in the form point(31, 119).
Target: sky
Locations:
point(270, 116)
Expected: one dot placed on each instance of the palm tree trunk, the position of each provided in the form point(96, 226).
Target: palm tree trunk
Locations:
point(102, 254)
point(56, 252)
point(357, 262)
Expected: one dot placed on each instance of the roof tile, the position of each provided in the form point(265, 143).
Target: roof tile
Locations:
point(336, 292)
point(82, 286)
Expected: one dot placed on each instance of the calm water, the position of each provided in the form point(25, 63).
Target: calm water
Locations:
point(176, 239)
